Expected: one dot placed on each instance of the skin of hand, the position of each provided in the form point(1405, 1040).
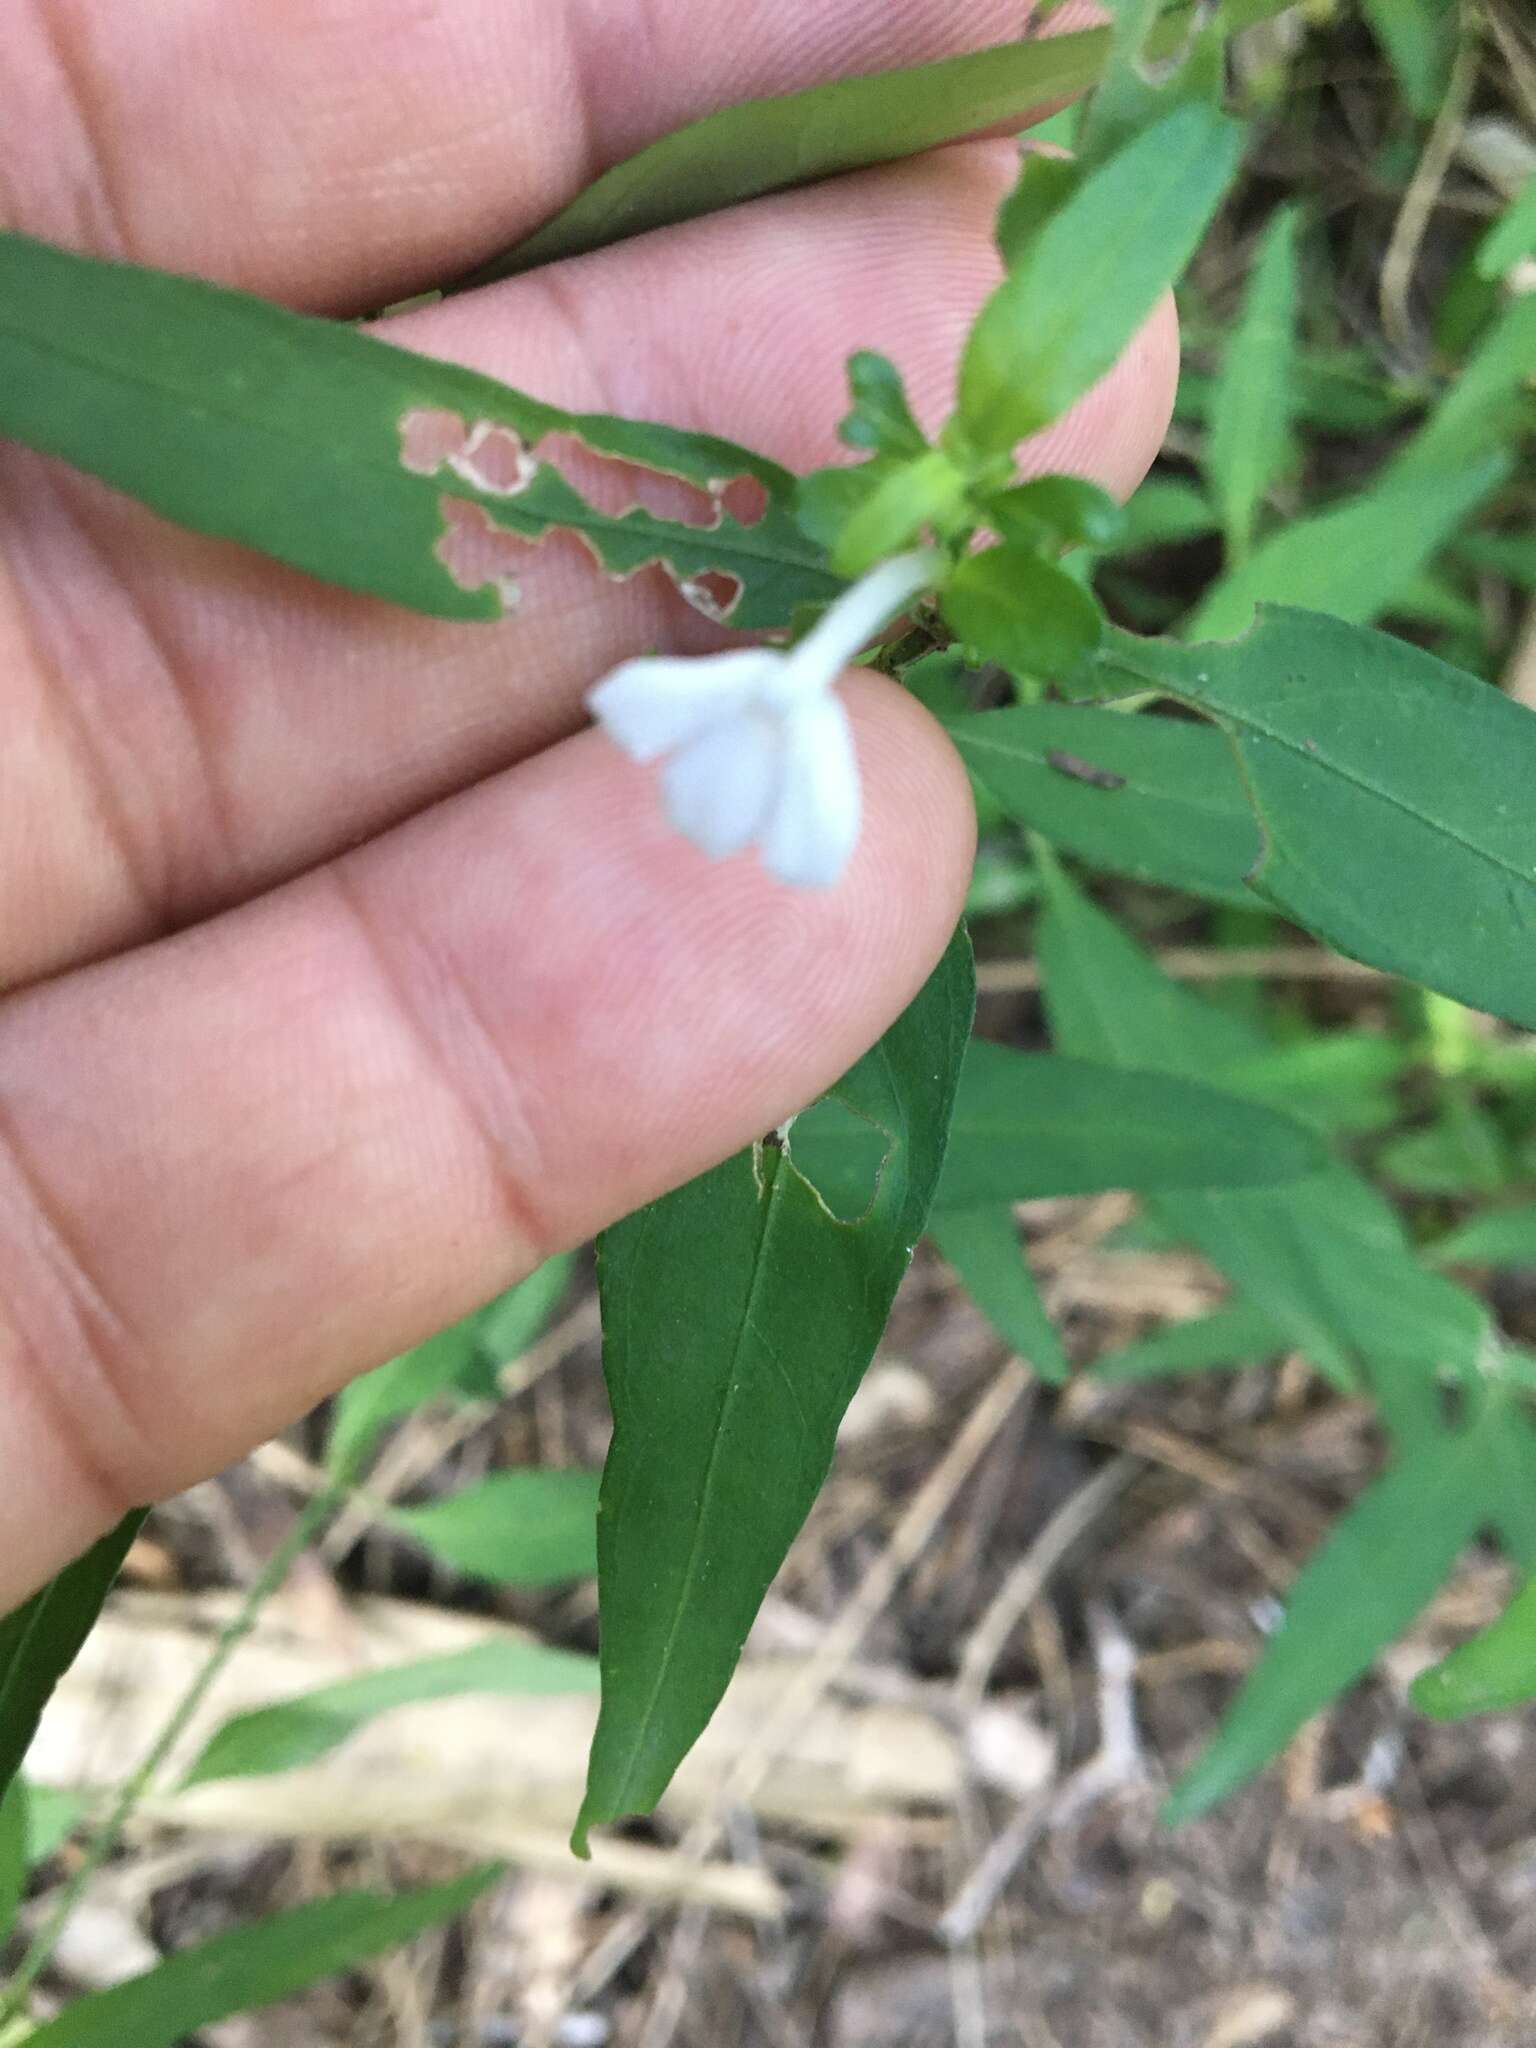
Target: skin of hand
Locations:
point(345, 975)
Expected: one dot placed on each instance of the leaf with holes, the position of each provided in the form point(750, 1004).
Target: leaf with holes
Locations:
point(391, 473)
point(739, 1315)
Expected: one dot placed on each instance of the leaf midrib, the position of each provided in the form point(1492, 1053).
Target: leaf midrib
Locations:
point(640, 1739)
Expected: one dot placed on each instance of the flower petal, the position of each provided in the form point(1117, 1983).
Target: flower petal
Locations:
point(720, 787)
point(653, 705)
point(814, 826)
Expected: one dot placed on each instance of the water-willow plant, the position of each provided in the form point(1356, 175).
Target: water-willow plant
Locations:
point(1373, 794)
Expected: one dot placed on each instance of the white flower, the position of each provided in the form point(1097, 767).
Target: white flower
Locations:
point(755, 745)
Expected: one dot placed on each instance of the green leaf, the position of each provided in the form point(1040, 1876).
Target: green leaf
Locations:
point(739, 1317)
point(1483, 408)
point(1042, 187)
point(1380, 1564)
point(523, 1528)
point(52, 1817)
point(1512, 236)
point(770, 145)
point(983, 1247)
point(1014, 608)
point(255, 1966)
point(1324, 1258)
point(301, 1730)
point(1393, 791)
point(462, 1360)
point(1250, 427)
point(762, 146)
point(1499, 1237)
point(1510, 1479)
point(1156, 798)
point(898, 502)
point(1165, 511)
point(514, 1320)
point(40, 1641)
point(881, 419)
point(382, 1396)
point(1496, 1670)
point(1354, 559)
point(1418, 37)
point(1125, 100)
point(1028, 1125)
point(1092, 275)
point(317, 443)
point(1240, 1334)
point(15, 1857)
point(1057, 508)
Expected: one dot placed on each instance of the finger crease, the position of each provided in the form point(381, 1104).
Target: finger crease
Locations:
point(510, 1186)
point(78, 83)
point(101, 790)
point(79, 1375)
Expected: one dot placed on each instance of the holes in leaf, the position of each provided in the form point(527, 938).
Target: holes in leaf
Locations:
point(714, 593)
point(617, 488)
point(476, 551)
point(490, 457)
point(741, 498)
point(842, 1155)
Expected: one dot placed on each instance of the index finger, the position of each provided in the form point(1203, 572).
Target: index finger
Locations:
point(341, 153)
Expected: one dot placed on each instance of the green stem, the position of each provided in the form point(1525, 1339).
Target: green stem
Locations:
point(107, 1836)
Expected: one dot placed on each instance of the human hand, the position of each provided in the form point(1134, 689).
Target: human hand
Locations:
point(345, 977)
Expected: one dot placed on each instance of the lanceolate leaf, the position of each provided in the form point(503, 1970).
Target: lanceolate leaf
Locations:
point(40, 1641)
point(255, 1966)
point(302, 1730)
point(1356, 559)
point(1034, 1124)
point(1378, 1566)
point(739, 1316)
point(1092, 275)
point(1239, 1334)
point(1394, 794)
point(1324, 1258)
point(1496, 1669)
point(462, 1361)
point(1251, 404)
point(1157, 798)
point(15, 1856)
point(768, 145)
point(523, 1528)
point(983, 1247)
point(324, 446)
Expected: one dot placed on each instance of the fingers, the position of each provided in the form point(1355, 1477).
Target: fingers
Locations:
point(187, 724)
point(340, 153)
point(241, 1165)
